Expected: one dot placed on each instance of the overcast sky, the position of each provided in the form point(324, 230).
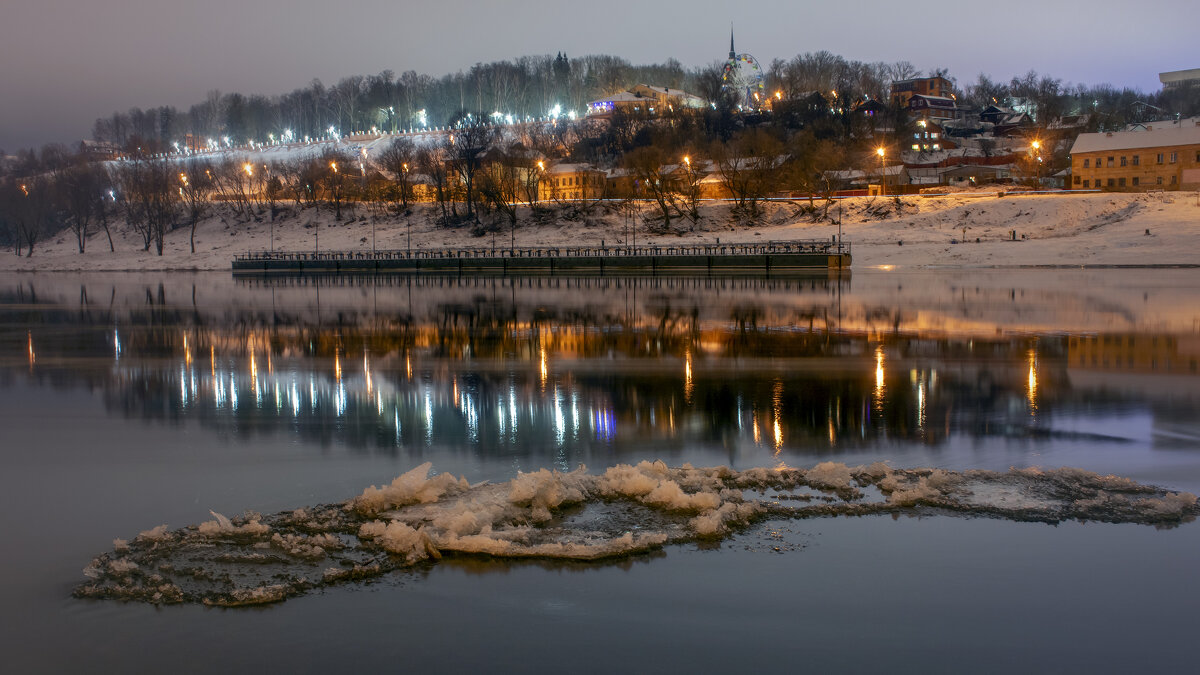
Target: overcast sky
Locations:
point(63, 63)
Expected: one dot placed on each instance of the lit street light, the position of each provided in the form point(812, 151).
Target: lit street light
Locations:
point(1036, 147)
point(882, 177)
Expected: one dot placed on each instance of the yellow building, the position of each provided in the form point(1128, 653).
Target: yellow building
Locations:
point(1165, 157)
point(571, 181)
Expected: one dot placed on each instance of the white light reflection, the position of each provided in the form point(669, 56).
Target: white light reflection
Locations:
point(512, 411)
point(471, 413)
point(575, 415)
point(428, 417)
point(559, 424)
point(396, 421)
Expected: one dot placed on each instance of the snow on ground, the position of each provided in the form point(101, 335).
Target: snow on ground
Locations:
point(912, 231)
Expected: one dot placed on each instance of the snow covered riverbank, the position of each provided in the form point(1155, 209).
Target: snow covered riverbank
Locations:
point(965, 230)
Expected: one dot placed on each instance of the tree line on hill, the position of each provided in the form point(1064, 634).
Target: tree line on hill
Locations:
point(529, 87)
point(479, 173)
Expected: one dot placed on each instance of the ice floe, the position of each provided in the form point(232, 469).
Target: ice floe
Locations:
point(626, 510)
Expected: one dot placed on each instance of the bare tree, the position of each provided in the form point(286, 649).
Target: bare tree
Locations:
point(432, 161)
point(83, 192)
point(469, 142)
point(647, 165)
point(150, 191)
point(195, 187)
point(749, 167)
point(501, 185)
point(400, 159)
point(27, 208)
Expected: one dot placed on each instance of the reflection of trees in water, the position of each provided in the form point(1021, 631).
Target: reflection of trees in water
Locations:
point(588, 407)
point(794, 373)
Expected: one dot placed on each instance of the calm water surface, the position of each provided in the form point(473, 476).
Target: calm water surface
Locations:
point(130, 400)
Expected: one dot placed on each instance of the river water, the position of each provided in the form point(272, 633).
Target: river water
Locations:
point(132, 400)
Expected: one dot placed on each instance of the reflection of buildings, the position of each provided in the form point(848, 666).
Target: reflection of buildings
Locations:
point(571, 385)
point(1159, 354)
point(568, 367)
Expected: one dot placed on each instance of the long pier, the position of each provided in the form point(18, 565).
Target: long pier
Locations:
point(751, 258)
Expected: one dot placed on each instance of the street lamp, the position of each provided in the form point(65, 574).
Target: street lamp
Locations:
point(1036, 145)
point(882, 177)
point(541, 176)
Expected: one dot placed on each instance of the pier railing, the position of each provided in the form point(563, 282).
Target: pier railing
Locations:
point(822, 247)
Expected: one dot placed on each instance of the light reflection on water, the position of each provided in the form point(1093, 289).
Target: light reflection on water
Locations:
point(565, 368)
point(275, 395)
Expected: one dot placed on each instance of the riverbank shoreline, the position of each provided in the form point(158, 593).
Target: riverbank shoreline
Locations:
point(966, 230)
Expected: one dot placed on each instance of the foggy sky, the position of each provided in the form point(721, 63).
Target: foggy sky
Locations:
point(63, 63)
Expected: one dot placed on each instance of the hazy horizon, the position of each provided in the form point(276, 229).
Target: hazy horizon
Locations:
point(70, 62)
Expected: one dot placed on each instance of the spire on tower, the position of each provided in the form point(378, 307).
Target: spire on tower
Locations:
point(732, 53)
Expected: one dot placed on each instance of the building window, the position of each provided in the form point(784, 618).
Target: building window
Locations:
point(1198, 156)
point(1087, 163)
point(1137, 160)
point(1174, 157)
point(1172, 180)
point(1158, 180)
point(1121, 182)
point(1077, 179)
point(1110, 162)
point(1123, 161)
point(1111, 182)
point(1160, 158)
point(1135, 181)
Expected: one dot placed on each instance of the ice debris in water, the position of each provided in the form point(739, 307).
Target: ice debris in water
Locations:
point(628, 509)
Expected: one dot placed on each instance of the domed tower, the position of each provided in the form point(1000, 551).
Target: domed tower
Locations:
point(743, 78)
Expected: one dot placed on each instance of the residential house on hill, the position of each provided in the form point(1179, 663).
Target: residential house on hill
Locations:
point(932, 107)
point(904, 90)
